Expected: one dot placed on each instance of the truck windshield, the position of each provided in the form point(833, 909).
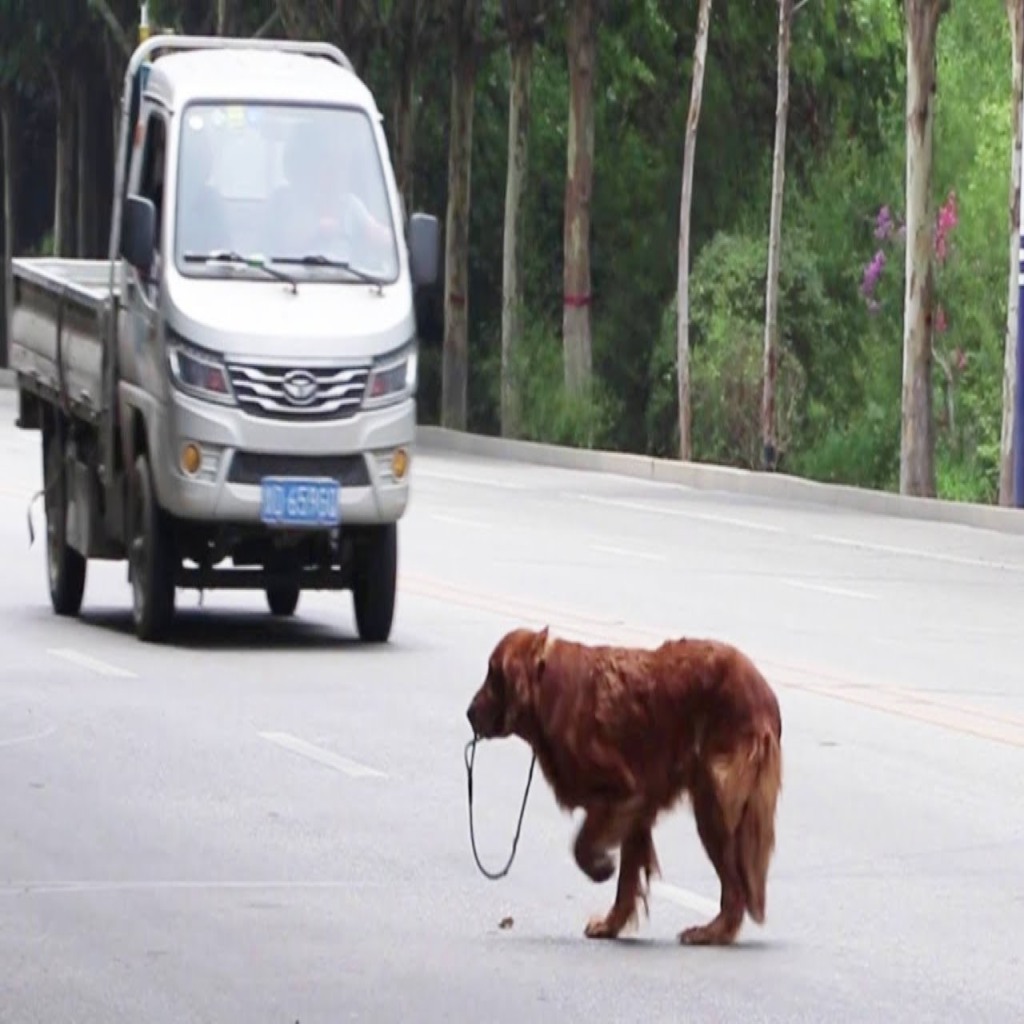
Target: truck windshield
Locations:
point(303, 186)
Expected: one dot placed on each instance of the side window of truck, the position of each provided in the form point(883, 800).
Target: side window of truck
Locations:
point(151, 177)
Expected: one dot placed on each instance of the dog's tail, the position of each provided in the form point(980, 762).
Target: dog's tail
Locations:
point(755, 835)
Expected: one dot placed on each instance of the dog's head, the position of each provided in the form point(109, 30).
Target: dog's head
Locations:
point(505, 697)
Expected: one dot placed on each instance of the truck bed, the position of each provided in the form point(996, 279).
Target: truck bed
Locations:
point(58, 328)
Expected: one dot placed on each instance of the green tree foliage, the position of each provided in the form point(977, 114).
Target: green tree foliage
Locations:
point(841, 349)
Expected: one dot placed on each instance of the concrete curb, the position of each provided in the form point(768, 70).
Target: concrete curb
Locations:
point(706, 477)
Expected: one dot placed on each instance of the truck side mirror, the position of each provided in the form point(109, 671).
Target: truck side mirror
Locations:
point(424, 240)
point(138, 233)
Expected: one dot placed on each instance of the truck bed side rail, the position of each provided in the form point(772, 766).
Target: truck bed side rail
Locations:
point(83, 281)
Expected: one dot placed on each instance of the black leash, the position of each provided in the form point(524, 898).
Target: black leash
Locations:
point(469, 758)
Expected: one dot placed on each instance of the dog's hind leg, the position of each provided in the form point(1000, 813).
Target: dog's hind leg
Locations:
point(639, 863)
point(719, 838)
point(756, 830)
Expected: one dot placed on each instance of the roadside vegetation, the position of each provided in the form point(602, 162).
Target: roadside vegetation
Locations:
point(550, 139)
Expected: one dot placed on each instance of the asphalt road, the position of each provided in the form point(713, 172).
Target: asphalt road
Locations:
point(263, 822)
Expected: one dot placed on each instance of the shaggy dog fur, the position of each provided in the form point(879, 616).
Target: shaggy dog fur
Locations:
point(624, 733)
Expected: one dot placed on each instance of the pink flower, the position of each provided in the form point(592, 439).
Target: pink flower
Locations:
point(948, 216)
point(872, 272)
point(946, 220)
point(883, 223)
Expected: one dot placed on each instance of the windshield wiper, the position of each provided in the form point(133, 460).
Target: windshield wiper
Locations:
point(316, 259)
point(229, 256)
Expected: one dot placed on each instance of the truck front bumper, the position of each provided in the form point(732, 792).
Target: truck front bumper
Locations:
point(368, 453)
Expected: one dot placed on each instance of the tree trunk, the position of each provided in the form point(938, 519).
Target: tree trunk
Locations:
point(455, 368)
point(116, 30)
point(917, 442)
point(769, 434)
point(6, 281)
point(86, 203)
point(576, 327)
point(405, 126)
point(115, 123)
point(1008, 448)
point(222, 17)
point(700, 52)
point(521, 53)
point(63, 200)
point(404, 27)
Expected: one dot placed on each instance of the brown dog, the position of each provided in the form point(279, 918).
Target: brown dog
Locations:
point(626, 732)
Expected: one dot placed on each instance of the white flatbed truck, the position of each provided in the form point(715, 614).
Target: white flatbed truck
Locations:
point(228, 400)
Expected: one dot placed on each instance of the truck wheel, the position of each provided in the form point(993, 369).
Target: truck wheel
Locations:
point(150, 559)
point(283, 599)
point(65, 566)
point(375, 578)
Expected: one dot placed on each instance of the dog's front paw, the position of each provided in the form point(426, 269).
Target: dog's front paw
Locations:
point(599, 928)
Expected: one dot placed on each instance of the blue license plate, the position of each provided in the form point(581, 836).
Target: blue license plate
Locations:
point(297, 501)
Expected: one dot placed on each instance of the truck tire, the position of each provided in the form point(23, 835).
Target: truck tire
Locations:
point(151, 561)
point(375, 579)
point(283, 599)
point(64, 565)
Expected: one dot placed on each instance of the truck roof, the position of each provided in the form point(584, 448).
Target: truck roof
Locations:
point(241, 75)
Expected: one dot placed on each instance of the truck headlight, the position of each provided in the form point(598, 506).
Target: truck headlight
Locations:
point(392, 377)
point(199, 372)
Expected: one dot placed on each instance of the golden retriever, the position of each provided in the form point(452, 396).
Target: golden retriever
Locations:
point(624, 733)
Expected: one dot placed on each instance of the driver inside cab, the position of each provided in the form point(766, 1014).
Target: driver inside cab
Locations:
point(323, 210)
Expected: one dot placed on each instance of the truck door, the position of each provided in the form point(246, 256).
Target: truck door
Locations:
point(142, 294)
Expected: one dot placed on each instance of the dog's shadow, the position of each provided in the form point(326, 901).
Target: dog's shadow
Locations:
point(646, 945)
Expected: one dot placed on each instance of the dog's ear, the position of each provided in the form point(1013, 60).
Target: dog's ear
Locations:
point(539, 654)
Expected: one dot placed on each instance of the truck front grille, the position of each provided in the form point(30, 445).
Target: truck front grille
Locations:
point(309, 392)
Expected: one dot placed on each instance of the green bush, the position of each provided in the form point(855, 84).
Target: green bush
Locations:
point(548, 413)
point(864, 452)
point(727, 304)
